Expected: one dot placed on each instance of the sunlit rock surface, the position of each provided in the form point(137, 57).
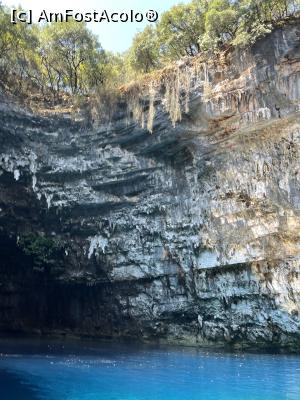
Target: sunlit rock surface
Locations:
point(190, 235)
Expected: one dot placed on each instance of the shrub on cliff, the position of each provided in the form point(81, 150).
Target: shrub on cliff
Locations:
point(143, 55)
point(211, 25)
point(40, 248)
point(180, 28)
point(258, 17)
point(67, 57)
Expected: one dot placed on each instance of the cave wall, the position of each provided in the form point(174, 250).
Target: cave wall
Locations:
point(188, 235)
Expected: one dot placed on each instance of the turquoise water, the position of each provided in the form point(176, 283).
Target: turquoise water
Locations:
point(89, 371)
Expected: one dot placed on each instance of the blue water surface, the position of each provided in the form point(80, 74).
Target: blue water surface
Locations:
point(34, 370)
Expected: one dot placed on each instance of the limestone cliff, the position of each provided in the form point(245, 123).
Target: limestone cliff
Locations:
point(188, 235)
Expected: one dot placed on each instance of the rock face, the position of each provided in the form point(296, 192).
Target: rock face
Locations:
point(190, 235)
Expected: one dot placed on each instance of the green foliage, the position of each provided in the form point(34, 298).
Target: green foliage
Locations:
point(55, 57)
point(72, 56)
point(113, 69)
point(67, 57)
point(179, 30)
point(221, 23)
point(212, 27)
point(143, 55)
point(18, 44)
point(258, 17)
point(206, 25)
point(268, 11)
point(41, 248)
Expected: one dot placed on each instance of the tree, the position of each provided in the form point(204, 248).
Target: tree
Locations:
point(258, 17)
point(221, 24)
point(18, 44)
point(72, 56)
point(269, 11)
point(180, 28)
point(67, 56)
point(116, 70)
point(50, 66)
point(143, 55)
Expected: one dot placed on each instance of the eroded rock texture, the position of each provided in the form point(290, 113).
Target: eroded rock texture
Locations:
point(189, 235)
